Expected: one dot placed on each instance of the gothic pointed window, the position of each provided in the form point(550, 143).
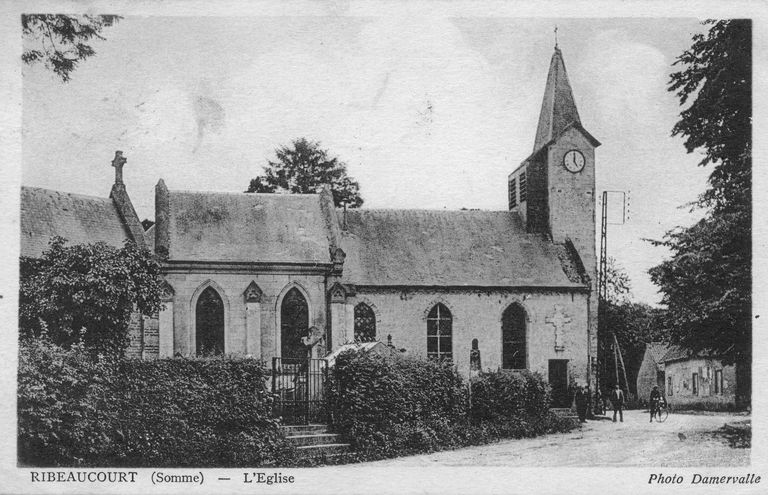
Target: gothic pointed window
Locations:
point(513, 344)
point(294, 324)
point(209, 323)
point(365, 323)
point(439, 333)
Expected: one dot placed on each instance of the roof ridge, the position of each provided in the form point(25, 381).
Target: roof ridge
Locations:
point(244, 194)
point(79, 195)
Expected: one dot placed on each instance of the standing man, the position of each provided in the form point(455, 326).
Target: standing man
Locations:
point(617, 399)
point(581, 404)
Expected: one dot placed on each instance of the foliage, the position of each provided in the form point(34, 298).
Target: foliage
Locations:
point(305, 168)
point(511, 403)
point(391, 407)
point(76, 410)
point(706, 283)
point(61, 42)
point(618, 285)
point(87, 291)
point(61, 403)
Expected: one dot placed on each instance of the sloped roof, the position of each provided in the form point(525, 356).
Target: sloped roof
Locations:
point(558, 107)
point(677, 353)
point(657, 351)
point(77, 218)
point(240, 227)
point(450, 248)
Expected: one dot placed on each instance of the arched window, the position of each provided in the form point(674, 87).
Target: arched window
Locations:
point(513, 352)
point(294, 324)
point(439, 330)
point(209, 323)
point(365, 323)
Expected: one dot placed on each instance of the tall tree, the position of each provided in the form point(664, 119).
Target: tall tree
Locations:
point(706, 284)
point(61, 42)
point(304, 168)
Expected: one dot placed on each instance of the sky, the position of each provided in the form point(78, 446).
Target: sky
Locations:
point(427, 112)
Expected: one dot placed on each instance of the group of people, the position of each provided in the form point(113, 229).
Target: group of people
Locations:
point(581, 398)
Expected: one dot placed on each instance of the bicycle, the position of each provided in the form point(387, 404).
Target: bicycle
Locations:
point(662, 412)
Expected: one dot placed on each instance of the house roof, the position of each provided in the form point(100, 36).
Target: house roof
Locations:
point(77, 218)
point(451, 248)
point(657, 351)
point(678, 353)
point(247, 227)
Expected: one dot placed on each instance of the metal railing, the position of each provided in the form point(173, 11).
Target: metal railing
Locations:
point(299, 388)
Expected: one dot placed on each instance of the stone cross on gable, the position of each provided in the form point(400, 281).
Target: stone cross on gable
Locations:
point(118, 163)
point(559, 320)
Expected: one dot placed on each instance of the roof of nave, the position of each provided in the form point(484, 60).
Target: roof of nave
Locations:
point(451, 248)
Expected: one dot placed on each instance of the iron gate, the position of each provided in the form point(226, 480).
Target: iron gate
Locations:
point(299, 388)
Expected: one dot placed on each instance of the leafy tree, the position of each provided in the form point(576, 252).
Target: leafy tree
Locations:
point(86, 292)
point(304, 168)
point(706, 284)
point(61, 42)
point(634, 325)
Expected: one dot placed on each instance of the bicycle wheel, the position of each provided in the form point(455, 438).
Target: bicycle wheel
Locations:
point(662, 414)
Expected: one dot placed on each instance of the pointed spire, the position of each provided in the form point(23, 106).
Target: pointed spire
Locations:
point(558, 109)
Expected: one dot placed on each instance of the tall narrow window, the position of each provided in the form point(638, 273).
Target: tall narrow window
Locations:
point(669, 385)
point(439, 333)
point(513, 344)
point(365, 323)
point(294, 324)
point(209, 323)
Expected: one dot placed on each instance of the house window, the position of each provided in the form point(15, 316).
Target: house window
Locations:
point(523, 186)
point(439, 333)
point(209, 323)
point(513, 344)
point(718, 381)
point(695, 384)
point(512, 193)
point(669, 385)
point(365, 323)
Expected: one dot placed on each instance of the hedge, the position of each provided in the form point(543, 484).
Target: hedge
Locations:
point(388, 407)
point(76, 410)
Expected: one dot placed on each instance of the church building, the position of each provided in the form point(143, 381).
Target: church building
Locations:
point(263, 274)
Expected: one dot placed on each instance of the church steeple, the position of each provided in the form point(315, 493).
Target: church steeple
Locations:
point(558, 109)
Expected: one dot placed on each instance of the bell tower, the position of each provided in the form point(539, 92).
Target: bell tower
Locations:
point(553, 189)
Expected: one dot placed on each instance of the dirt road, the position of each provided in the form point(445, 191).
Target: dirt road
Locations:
point(684, 440)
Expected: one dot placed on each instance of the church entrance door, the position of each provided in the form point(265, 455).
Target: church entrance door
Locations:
point(558, 382)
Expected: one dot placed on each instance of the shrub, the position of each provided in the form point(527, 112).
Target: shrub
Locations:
point(77, 410)
point(395, 406)
point(512, 403)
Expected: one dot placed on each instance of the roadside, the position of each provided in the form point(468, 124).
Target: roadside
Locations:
point(684, 440)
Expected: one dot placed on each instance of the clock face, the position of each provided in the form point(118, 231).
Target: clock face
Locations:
point(574, 161)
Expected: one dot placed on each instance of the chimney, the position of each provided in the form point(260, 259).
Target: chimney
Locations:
point(123, 203)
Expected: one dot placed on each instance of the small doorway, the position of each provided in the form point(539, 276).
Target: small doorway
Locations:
point(558, 382)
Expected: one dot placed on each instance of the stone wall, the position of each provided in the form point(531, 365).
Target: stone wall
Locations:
point(231, 288)
point(477, 315)
point(681, 375)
